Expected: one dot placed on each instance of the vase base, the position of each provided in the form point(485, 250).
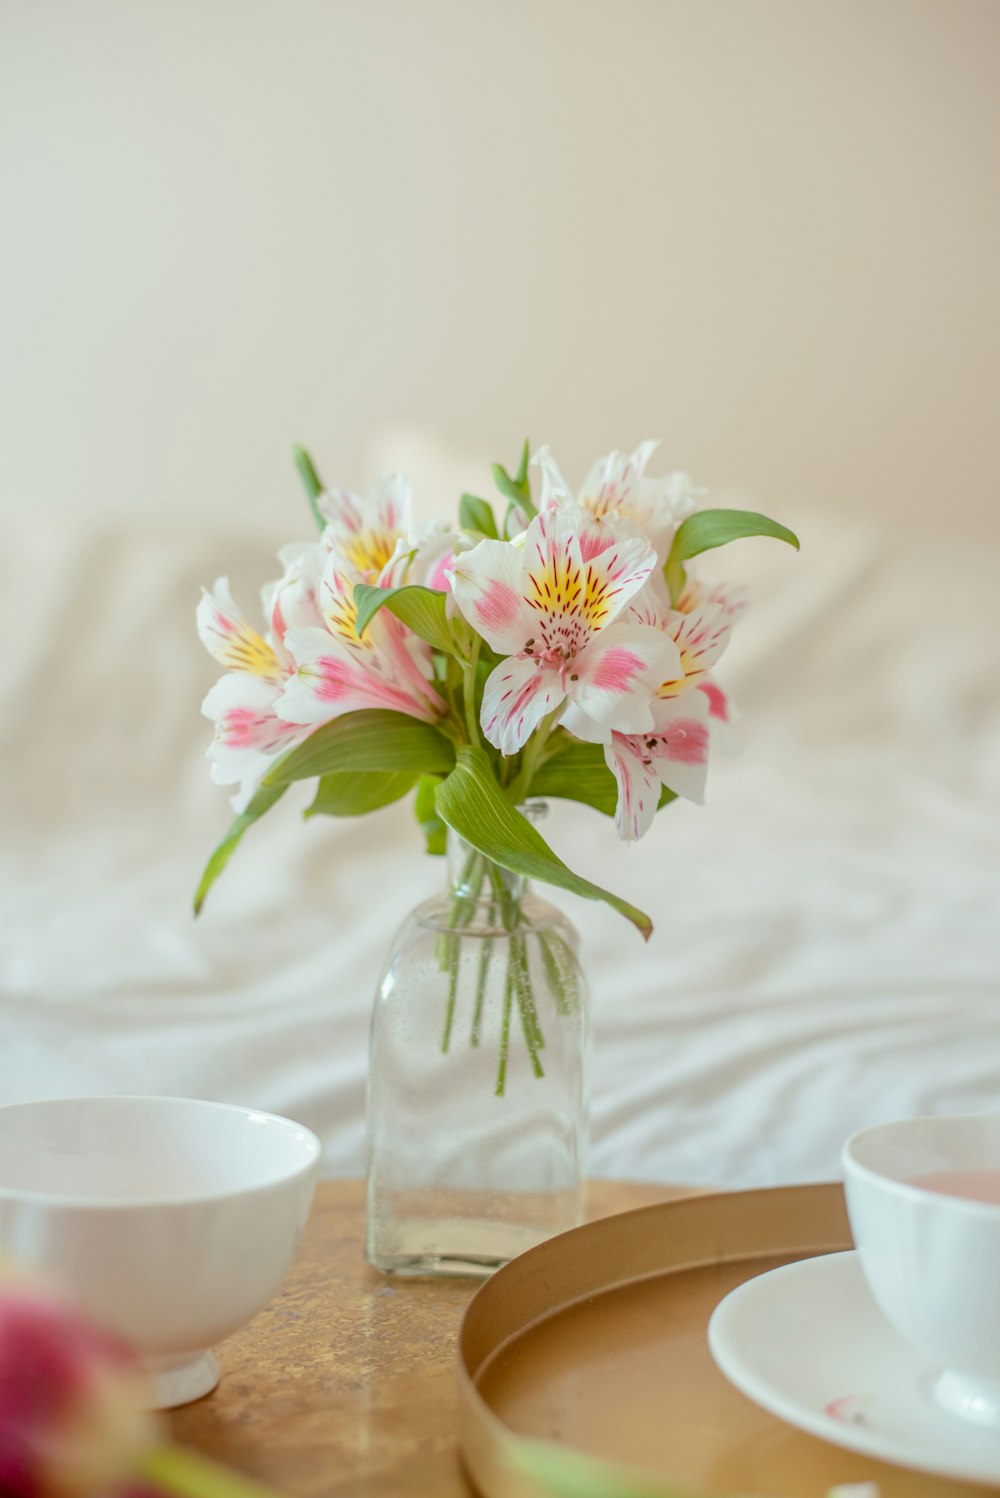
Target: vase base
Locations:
point(439, 1266)
point(452, 1247)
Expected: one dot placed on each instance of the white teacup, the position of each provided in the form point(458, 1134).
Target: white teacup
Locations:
point(171, 1221)
point(930, 1251)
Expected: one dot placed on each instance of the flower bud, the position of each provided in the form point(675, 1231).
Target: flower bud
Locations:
point(72, 1416)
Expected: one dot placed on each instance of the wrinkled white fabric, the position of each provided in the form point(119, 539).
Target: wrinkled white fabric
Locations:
point(827, 951)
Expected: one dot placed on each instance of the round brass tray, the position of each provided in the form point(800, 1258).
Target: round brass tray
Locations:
point(596, 1341)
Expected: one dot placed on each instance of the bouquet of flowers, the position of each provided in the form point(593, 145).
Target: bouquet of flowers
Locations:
point(562, 650)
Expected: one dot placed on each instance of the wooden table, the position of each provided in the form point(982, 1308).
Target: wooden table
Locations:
point(346, 1383)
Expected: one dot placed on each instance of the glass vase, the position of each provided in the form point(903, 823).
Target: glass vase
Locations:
point(477, 1095)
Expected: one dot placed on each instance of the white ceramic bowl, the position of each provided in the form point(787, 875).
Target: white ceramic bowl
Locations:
point(171, 1221)
point(932, 1260)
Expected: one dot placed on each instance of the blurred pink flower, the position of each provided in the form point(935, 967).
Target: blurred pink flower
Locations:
point(72, 1401)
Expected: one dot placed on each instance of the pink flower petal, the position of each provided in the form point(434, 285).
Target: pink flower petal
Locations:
point(614, 680)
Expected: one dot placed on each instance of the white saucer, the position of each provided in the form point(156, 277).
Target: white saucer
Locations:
point(808, 1342)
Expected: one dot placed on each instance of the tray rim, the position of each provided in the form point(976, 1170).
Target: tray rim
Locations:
point(488, 1447)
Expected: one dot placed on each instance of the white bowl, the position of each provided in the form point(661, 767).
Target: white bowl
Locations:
point(932, 1260)
point(171, 1221)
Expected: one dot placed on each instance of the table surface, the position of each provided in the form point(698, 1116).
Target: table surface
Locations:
point(346, 1383)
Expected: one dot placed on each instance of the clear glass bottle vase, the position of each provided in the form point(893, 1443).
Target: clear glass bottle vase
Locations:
point(477, 1095)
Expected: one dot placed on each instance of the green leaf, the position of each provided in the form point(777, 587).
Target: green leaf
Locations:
point(508, 487)
point(310, 481)
point(706, 529)
point(471, 802)
point(516, 490)
point(579, 772)
point(262, 801)
point(352, 793)
point(371, 739)
point(476, 515)
point(424, 610)
point(434, 830)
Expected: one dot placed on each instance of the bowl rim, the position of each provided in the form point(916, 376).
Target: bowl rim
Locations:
point(908, 1190)
point(58, 1199)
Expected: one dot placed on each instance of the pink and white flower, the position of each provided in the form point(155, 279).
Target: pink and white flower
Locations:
point(427, 559)
point(674, 753)
point(336, 672)
point(551, 611)
point(617, 485)
point(685, 705)
point(364, 532)
point(248, 732)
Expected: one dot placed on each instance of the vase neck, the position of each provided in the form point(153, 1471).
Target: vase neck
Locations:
point(473, 876)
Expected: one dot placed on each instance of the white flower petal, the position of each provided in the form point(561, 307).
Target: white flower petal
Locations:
point(638, 788)
point(229, 639)
point(679, 744)
point(331, 678)
point(618, 674)
point(701, 638)
point(555, 489)
point(518, 695)
point(580, 726)
point(488, 586)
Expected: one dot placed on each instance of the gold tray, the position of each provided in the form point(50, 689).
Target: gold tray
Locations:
point(596, 1340)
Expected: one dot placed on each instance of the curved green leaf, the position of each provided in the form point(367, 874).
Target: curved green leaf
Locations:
point(352, 793)
point(471, 802)
point(424, 610)
point(371, 739)
point(261, 802)
point(707, 529)
point(475, 514)
point(579, 772)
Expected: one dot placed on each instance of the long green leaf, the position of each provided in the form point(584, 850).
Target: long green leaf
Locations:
point(352, 793)
point(261, 802)
point(425, 810)
point(707, 529)
point(424, 610)
point(475, 514)
point(371, 739)
point(471, 802)
point(310, 481)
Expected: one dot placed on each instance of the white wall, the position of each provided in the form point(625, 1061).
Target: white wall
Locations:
point(767, 232)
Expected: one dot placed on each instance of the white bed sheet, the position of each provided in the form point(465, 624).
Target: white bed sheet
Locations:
point(827, 951)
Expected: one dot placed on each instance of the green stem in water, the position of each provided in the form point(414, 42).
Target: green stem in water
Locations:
point(518, 974)
point(526, 1004)
point(508, 999)
point(560, 971)
point(462, 909)
point(485, 955)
